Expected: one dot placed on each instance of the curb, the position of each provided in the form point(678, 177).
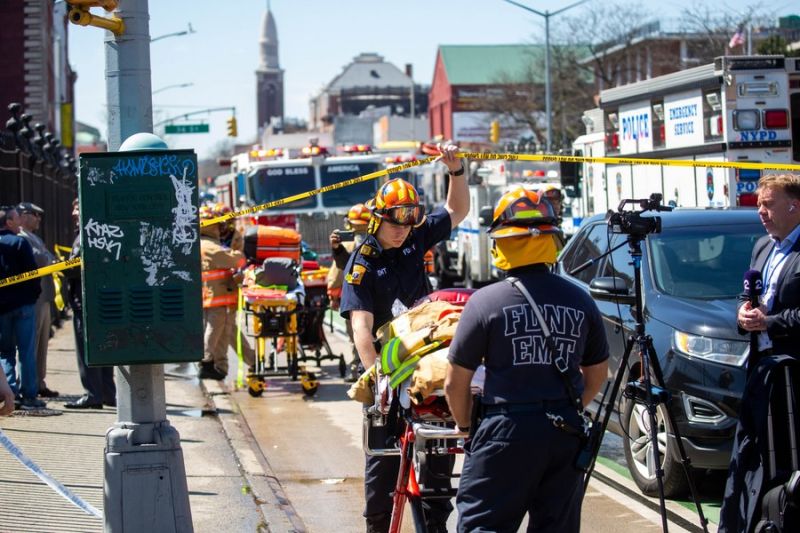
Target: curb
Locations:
point(268, 494)
point(676, 514)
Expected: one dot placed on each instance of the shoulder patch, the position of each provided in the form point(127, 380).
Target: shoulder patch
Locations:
point(356, 275)
point(367, 251)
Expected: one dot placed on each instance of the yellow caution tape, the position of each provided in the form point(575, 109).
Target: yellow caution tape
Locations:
point(632, 161)
point(327, 188)
point(57, 267)
point(39, 272)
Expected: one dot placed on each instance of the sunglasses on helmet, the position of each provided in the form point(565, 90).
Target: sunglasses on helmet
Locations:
point(404, 215)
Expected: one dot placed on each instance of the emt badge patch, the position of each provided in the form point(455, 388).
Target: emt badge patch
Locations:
point(356, 275)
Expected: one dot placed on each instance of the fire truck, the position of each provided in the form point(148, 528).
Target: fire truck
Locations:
point(262, 176)
point(739, 108)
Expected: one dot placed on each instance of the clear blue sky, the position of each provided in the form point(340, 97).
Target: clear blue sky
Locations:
point(317, 38)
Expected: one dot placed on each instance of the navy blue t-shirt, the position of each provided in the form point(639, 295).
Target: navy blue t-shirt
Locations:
point(375, 278)
point(499, 329)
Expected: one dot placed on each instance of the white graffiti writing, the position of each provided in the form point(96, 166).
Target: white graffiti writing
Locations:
point(95, 176)
point(103, 237)
point(183, 226)
point(156, 253)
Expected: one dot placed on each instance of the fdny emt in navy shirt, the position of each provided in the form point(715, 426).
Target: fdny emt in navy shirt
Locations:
point(387, 270)
point(521, 458)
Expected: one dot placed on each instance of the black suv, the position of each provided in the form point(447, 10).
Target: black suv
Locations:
point(691, 275)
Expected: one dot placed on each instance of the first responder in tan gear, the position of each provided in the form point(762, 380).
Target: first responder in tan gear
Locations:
point(220, 298)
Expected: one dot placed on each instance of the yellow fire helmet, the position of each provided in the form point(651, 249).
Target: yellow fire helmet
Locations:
point(358, 217)
point(524, 230)
point(398, 202)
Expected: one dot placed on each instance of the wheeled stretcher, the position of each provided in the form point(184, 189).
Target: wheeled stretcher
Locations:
point(417, 433)
point(312, 320)
point(271, 317)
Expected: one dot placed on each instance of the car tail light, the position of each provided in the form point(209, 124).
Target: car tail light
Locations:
point(776, 119)
point(746, 119)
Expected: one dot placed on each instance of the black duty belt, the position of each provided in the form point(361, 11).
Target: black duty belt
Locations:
point(525, 408)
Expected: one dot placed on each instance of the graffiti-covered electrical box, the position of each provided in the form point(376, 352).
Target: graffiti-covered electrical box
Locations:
point(140, 252)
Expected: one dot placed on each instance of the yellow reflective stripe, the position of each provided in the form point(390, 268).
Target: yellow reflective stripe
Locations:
point(528, 213)
point(404, 371)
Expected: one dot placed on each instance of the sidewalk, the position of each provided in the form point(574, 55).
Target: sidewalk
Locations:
point(68, 445)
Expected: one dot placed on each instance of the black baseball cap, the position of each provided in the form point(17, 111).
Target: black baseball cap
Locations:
point(28, 207)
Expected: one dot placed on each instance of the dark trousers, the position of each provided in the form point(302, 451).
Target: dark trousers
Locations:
point(520, 463)
point(380, 478)
point(97, 381)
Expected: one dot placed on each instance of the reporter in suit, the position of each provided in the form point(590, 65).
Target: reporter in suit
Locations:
point(777, 257)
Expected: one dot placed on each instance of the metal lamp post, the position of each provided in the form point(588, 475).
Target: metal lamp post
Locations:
point(547, 95)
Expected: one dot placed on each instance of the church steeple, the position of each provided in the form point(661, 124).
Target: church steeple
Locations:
point(269, 77)
point(268, 42)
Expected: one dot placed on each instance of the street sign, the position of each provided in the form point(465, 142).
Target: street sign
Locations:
point(185, 128)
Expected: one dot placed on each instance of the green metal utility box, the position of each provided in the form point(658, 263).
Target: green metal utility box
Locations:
point(140, 251)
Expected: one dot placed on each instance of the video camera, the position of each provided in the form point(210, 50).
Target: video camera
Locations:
point(632, 222)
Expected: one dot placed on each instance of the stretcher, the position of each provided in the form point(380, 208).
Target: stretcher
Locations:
point(271, 317)
point(407, 414)
point(312, 320)
point(417, 433)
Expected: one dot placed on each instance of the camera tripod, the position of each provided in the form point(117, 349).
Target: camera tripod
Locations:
point(642, 390)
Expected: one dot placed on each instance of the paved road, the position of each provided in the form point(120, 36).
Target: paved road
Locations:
point(313, 445)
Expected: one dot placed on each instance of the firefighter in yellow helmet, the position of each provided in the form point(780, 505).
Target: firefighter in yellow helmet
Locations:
point(220, 276)
point(386, 273)
point(542, 342)
point(342, 245)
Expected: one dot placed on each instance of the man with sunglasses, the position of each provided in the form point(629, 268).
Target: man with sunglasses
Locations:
point(386, 272)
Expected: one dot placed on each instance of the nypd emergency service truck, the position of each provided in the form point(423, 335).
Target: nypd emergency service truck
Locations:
point(739, 108)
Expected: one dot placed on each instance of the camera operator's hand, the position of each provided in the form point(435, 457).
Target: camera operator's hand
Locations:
point(335, 240)
point(752, 319)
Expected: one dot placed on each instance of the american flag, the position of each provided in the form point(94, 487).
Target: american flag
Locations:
point(737, 39)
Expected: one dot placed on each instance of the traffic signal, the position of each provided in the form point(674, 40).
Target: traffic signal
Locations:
point(232, 132)
point(494, 131)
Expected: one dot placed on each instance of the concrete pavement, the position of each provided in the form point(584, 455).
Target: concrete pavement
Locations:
point(280, 463)
point(69, 446)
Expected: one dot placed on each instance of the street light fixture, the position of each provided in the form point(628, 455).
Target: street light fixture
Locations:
point(176, 34)
point(176, 86)
point(547, 97)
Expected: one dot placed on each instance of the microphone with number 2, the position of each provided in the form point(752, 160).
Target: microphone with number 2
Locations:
point(753, 286)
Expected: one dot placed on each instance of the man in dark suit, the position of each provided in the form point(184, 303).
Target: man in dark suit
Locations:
point(777, 256)
point(776, 325)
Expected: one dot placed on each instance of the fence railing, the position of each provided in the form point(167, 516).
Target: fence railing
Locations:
point(34, 167)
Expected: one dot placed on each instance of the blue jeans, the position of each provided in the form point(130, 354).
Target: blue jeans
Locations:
point(18, 331)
